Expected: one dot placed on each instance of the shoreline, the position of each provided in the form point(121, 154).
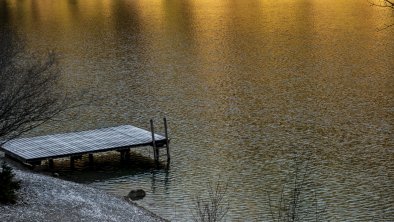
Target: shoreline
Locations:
point(43, 198)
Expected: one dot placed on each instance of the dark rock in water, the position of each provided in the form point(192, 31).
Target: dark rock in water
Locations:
point(55, 174)
point(136, 194)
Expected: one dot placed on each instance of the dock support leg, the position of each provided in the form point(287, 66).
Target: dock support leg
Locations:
point(91, 160)
point(50, 163)
point(124, 155)
point(121, 152)
point(167, 141)
point(72, 160)
point(35, 163)
point(155, 149)
point(127, 155)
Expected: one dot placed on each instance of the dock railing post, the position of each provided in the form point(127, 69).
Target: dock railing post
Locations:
point(167, 141)
point(155, 150)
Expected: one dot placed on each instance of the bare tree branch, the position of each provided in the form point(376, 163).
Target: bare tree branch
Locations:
point(298, 200)
point(389, 4)
point(29, 94)
point(382, 3)
point(213, 208)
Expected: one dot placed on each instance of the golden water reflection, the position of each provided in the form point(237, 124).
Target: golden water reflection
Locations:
point(245, 84)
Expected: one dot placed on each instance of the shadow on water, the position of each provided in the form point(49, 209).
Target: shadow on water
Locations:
point(106, 167)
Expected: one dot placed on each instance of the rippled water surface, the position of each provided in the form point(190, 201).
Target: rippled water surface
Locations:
point(246, 86)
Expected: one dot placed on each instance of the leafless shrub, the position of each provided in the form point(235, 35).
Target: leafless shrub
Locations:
point(28, 88)
point(214, 207)
point(383, 3)
point(388, 4)
point(298, 200)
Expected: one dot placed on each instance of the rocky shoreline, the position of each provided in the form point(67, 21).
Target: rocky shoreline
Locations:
point(44, 198)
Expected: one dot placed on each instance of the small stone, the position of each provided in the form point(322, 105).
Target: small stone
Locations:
point(136, 194)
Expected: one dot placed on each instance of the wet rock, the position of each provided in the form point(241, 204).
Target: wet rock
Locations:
point(136, 194)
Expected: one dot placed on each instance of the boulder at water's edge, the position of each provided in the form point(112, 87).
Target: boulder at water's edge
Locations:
point(136, 194)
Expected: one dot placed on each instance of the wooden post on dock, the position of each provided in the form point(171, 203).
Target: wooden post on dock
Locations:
point(167, 141)
point(155, 150)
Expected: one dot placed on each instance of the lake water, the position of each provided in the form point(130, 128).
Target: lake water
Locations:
point(247, 86)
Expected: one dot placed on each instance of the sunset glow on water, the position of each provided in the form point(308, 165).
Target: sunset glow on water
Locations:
point(245, 85)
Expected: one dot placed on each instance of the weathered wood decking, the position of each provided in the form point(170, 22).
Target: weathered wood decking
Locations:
point(120, 138)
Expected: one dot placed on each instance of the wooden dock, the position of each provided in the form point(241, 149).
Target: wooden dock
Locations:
point(75, 144)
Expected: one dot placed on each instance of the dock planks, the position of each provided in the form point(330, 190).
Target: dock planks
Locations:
point(77, 143)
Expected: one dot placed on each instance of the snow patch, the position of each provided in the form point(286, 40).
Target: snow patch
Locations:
point(43, 198)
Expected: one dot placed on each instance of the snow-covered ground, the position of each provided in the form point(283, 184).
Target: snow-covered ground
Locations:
point(43, 198)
